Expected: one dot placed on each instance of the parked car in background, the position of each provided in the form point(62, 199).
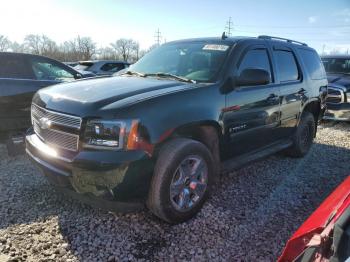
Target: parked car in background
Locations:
point(72, 64)
point(158, 134)
point(21, 75)
point(325, 235)
point(102, 67)
point(338, 73)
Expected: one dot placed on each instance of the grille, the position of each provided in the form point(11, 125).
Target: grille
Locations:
point(52, 136)
point(335, 95)
point(56, 118)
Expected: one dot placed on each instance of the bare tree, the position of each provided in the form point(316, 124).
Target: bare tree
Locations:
point(16, 47)
point(125, 47)
point(4, 43)
point(32, 44)
point(87, 48)
point(107, 53)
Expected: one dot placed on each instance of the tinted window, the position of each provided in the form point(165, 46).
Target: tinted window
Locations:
point(257, 58)
point(14, 67)
point(337, 65)
point(45, 70)
point(313, 63)
point(287, 66)
point(112, 67)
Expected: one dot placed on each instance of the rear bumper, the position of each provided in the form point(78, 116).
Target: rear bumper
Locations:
point(339, 112)
point(115, 181)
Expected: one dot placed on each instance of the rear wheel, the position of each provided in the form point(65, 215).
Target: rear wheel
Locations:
point(181, 180)
point(304, 136)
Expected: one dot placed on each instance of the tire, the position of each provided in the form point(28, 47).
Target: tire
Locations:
point(176, 157)
point(304, 136)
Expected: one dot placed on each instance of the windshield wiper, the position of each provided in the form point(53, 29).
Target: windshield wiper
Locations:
point(133, 73)
point(166, 75)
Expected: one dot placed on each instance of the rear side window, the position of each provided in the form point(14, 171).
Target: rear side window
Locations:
point(313, 64)
point(14, 67)
point(287, 66)
point(112, 67)
point(256, 58)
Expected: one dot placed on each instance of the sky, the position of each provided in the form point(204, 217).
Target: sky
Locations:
point(322, 24)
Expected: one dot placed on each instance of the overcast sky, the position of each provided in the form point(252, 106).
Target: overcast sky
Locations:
point(320, 23)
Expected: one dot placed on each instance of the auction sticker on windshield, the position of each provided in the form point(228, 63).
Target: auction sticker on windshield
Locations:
point(216, 47)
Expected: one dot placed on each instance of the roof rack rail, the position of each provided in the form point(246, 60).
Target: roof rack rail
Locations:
point(281, 39)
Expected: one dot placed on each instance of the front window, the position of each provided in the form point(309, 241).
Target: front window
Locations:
point(337, 65)
point(47, 71)
point(195, 61)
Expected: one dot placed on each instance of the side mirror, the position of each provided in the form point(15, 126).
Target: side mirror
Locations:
point(253, 77)
point(78, 76)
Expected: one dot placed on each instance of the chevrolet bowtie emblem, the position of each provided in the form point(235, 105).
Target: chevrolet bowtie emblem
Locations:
point(44, 123)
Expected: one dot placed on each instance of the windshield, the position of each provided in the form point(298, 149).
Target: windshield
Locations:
point(195, 61)
point(336, 65)
point(83, 66)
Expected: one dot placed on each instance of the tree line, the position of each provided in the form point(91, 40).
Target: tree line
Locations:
point(77, 49)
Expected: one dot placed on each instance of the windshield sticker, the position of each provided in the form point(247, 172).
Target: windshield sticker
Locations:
point(216, 47)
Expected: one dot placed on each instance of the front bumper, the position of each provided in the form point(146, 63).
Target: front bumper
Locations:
point(112, 180)
point(339, 112)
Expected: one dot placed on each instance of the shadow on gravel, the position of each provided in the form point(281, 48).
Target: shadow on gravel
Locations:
point(251, 213)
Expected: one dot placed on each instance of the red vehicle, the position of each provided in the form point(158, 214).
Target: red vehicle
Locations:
point(325, 235)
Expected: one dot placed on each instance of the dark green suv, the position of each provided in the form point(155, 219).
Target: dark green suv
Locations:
point(161, 133)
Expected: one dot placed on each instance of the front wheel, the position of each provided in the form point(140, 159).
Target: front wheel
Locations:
point(304, 136)
point(181, 180)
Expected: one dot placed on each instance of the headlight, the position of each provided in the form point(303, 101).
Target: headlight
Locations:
point(119, 134)
point(107, 134)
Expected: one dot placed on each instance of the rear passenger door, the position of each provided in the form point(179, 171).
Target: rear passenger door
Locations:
point(251, 115)
point(290, 81)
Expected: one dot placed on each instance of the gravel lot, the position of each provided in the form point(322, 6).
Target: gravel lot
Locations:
point(249, 217)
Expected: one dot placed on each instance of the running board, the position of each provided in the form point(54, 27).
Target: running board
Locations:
point(240, 161)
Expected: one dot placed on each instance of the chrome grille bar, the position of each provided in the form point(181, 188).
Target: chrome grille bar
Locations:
point(49, 134)
point(56, 118)
point(335, 95)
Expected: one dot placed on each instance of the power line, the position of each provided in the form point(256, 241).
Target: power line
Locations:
point(229, 27)
point(157, 37)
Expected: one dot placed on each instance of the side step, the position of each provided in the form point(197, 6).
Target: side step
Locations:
point(240, 161)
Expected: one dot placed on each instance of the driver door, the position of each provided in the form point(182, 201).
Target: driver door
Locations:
point(252, 113)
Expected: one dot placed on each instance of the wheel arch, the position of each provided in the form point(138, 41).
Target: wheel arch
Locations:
point(314, 107)
point(207, 132)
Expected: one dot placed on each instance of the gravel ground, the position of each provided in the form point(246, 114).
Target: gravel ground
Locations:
point(249, 217)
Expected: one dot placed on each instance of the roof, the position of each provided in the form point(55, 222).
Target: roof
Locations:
point(103, 61)
point(25, 54)
point(336, 56)
point(232, 40)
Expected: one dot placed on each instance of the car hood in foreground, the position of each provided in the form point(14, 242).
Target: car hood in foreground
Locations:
point(324, 217)
point(82, 97)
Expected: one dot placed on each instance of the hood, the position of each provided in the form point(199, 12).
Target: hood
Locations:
point(86, 96)
point(339, 79)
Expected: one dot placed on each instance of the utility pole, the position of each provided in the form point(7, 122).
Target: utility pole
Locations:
point(157, 37)
point(229, 26)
